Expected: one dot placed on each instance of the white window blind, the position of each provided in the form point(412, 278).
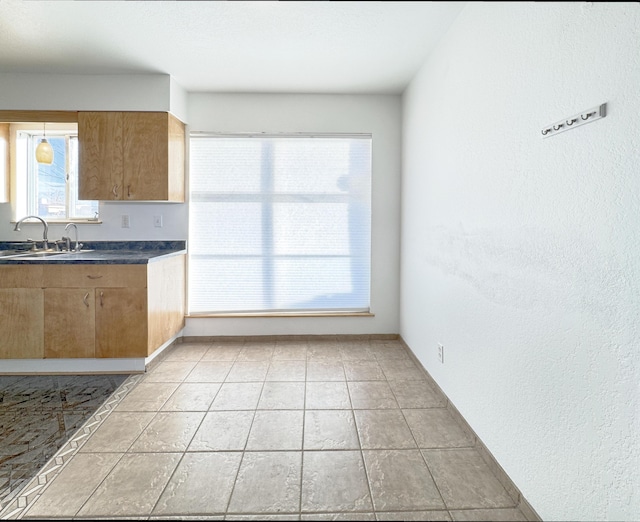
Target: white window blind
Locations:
point(279, 223)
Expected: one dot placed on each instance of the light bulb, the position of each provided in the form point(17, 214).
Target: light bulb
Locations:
point(44, 152)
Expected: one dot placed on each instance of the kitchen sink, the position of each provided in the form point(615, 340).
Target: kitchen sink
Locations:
point(38, 255)
point(13, 253)
point(27, 255)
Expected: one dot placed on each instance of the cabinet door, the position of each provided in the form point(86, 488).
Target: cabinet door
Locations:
point(100, 155)
point(166, 292)
point(121, 322)
point(21, 323)
point(69, 323)
point(5, 165)
point(177, 148)
point(146, 145)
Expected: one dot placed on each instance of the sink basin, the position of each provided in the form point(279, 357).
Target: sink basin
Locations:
point(22, 254)
point(12, 253)
point(38, 255)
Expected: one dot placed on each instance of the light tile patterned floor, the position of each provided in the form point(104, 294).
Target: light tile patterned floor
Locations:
point(319, 430)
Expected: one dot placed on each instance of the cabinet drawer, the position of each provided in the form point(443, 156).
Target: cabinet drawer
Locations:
point(20, 276)
point(95, 276)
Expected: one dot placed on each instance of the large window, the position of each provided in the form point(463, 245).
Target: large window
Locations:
point(48, 191)
point(279, 223)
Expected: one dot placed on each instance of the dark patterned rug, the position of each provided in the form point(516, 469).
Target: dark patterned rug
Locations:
point(38, 414)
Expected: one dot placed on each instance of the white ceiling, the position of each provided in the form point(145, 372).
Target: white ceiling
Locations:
point(228, 46)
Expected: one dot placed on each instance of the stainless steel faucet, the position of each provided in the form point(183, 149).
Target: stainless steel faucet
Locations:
point(45, 233)
point(77, 246)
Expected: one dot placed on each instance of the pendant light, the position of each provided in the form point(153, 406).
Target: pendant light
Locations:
point(44, 152)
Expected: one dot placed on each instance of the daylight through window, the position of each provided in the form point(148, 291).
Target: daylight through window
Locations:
point(49, 191)
point(279, 223)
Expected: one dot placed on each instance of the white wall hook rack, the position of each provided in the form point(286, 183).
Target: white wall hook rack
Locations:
point(582, 118)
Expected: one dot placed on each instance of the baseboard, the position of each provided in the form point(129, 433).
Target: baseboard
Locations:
point(289, 338)
point(513, 491)
point(72, 366)
point(504, 479)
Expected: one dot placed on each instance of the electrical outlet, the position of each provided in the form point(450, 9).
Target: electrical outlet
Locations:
point(125, 221)
point(441, 353)
point(157, 221)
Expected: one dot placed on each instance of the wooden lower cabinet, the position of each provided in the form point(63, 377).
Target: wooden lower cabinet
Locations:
point(95, 322)
point(21, 323)
point(69, 322)
point(87, 311)
point(21, 312)
point(121, 322)
point(166, 300)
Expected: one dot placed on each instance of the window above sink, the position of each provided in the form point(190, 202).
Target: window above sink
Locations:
point(48, 191)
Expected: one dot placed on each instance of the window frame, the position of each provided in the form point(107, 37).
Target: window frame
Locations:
point(330, 312)
point(23, 198)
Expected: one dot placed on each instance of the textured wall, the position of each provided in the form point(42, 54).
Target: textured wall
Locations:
point(86, 92)
point(104, 92)
point(379, 115)
point(522, 255)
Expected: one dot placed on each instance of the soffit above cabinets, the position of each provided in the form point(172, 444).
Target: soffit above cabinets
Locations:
point(240, 46)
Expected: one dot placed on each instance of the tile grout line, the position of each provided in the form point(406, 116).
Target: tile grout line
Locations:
point(125, 452)
point(155, 505)
point(364, 464)
point(22, 501)
point(194, 433)
point(421, 454)
point(97, 486)
point(444, 503)
point(478, 445)
point(60, 391)
point(79, 447)
point(244, 451)
point(304, 417)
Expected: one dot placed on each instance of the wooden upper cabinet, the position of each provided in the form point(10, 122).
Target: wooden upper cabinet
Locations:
point(131, 156)
point(100, 155)
point(5, 165)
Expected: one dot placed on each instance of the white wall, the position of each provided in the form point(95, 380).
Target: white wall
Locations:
point(85, 92)
point(521, 255)
point(376, 114)
point(126, 92)
point(379, 115)
point(178, 100)
point(174, 219)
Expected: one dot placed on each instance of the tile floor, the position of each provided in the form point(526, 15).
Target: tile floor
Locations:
point(38, 414)
point(318, 430)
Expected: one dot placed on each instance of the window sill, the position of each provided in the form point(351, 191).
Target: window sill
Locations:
point(228, 315)
point(78, 221)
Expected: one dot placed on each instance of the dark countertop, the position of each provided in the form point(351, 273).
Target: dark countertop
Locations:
point(104, 253)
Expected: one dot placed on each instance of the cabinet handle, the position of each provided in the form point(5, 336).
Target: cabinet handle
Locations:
point(128, 191)
point(84, 300)
point(101, 299)
point(115, 190)
point(94, 277)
